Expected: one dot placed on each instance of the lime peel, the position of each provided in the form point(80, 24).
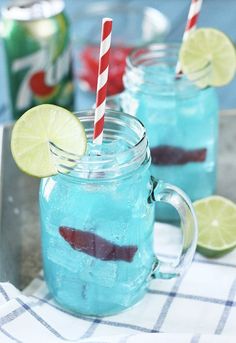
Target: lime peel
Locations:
point(217, 225)
point(210, 54)
point(37, 127)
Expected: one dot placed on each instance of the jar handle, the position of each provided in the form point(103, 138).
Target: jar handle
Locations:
point(174, 196)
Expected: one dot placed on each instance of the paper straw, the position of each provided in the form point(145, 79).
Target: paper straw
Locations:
point(193, 15)
point(103, 67)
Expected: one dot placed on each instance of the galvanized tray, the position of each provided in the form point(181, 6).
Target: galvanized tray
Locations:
point(20, 258)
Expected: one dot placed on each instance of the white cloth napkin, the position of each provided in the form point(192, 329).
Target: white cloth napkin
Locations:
point(197, 308)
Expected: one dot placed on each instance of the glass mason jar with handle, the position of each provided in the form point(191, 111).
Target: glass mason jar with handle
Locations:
point(97, 220)
point(181, 119)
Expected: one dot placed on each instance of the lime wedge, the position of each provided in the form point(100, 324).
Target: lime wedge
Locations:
point(208, 57)
point(36, 128)
point(217, 225)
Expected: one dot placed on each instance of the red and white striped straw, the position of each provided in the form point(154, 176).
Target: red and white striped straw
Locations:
point(191, 25)
point(103, 68)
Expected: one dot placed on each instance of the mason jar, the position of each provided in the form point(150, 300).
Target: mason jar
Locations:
point(180, 117)
point(97, 221)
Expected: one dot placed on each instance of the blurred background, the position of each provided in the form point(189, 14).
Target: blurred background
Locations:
point(215, 13)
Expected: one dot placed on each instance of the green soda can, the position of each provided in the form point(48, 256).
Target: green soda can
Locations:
point(38, 54)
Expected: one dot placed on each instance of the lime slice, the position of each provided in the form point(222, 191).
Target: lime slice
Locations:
point(36, 128)
point(208, 58)
point(217, 225)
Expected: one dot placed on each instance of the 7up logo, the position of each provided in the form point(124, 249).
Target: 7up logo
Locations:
point(41, 77)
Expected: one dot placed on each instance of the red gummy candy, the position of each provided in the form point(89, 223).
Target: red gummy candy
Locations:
point(96, 246)
point(117, 62)
point(169, 155)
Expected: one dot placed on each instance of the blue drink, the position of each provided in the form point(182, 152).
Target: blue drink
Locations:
point(181, 119)
point(97, 220)
point(102, 211)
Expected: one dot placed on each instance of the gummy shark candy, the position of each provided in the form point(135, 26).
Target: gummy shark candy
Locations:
point(168, 155)
point(96, 246)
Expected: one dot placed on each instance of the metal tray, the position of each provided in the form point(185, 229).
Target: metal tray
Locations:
point(20, 258)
